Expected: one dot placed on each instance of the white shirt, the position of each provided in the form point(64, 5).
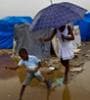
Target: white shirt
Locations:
point(31, 63)
point(66, 48)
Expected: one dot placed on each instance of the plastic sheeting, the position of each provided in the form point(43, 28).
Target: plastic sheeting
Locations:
point(84, 25)
point(7, 23)
point(25, 38)
point(77, 38)
point(56, 46)
point(6, 40)
point(7, 30)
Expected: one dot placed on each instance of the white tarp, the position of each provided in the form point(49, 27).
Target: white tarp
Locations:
point(77, 40)
point(56, 46)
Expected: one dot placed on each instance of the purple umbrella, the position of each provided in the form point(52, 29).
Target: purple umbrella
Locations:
point(57, 15)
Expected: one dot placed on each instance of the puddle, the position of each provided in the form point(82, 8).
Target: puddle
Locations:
point(66, 93)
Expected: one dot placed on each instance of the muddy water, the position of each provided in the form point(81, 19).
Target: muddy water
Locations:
point(79, 89)
point(9, 90)
point(10, 85)
point(5, 60)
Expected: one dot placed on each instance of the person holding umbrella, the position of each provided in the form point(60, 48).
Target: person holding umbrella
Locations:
point(65, 35)
point(57, 16)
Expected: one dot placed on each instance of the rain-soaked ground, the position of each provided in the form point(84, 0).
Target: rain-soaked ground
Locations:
point(77, 89)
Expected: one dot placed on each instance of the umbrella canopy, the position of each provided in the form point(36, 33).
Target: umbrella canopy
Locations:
point(57, 15)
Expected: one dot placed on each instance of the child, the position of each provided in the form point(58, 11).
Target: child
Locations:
point(32, 65)
point(65, 35)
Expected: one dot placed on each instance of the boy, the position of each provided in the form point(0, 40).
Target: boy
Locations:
point(32, 65)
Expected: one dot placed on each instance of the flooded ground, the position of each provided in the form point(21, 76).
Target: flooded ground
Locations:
point(77, 89)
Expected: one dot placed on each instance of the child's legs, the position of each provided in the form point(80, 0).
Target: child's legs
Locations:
point(65, 63)
point(25, 83)
point(39, 76)
point(22, 91)
point(28, 79)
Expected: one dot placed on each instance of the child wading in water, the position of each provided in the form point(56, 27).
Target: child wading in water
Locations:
point(32, 65)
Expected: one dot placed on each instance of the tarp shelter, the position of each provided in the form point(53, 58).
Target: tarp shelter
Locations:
point(25, 38)
point(84, 25)
point(7, 29)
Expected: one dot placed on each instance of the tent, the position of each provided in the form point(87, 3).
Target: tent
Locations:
point(25, 38)
point(7, 29)
point(84, 25)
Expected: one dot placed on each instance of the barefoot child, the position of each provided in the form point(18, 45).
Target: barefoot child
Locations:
point(32, 65)
point(65, 35)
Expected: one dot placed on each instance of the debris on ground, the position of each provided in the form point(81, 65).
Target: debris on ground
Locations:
point(53, 67)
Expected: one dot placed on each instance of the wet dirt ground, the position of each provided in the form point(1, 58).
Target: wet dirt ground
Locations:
point(77, 89)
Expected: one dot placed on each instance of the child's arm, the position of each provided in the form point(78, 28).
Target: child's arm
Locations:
point(39, 65)
point(46, 39)
point(12, 68)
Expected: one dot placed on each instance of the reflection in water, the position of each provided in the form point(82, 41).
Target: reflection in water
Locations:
point(48, 94)
point(6, 61)
point(7, 74)
point(66, 93)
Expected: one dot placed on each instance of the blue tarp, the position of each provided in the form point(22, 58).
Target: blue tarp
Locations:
point(84, 25)
point(6, 40)
point(7, 29)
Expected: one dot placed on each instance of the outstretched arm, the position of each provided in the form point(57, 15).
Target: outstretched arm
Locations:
point(39, 66)
point(12, 68)
point(49, 38)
